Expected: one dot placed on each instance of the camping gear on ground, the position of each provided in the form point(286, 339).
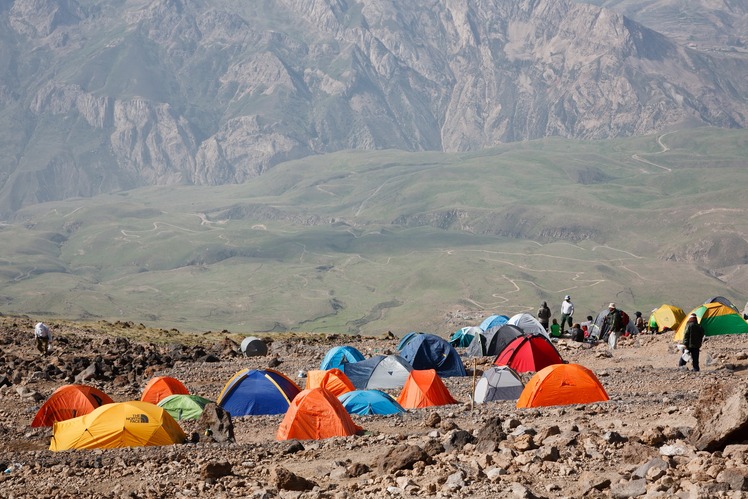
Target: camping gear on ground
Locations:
point(69, 401)
point(332, 380)
point(378, 372)
point(562, 384)
point(667, 317)
point(184, 407)
point(529, 353)
point(315, 414)
point(528, 324)
point(424, 389)
point(337, 356)
point(257, 391)
point(463, 336)
point(493, 341)
point(253, 347)
point(428, 351)
point(716, 319)
point(369, 402)
point(498, 383)
point(124, 424)
point(161, 387)
point(493, 321)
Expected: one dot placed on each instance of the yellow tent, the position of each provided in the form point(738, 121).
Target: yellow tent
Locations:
point(668, 317)
point(124, 424)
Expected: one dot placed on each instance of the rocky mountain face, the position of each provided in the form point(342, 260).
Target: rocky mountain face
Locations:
point(101, 96)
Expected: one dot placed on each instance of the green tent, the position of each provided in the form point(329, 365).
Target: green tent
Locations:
point(716, 319)
point(182, 407)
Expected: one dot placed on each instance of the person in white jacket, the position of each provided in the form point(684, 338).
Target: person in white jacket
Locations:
point(567, 312)
point(43, 337)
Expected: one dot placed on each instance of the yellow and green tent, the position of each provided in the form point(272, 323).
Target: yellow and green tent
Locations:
point(716, 319)
point(123, 424)
point(668, 317)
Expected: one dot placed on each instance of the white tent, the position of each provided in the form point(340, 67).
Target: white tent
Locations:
point(498, 383)
point(378, 373)
point(253, 347)
point(528, 324)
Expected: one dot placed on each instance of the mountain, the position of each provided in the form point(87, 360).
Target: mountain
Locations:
point(111, 95)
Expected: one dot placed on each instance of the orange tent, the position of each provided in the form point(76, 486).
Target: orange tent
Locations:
point(424, 389)
point(161, 387)
point(68, 402)
point(333, 380)
point(562, 384)
point(315, 414)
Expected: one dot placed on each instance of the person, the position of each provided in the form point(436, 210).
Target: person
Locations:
point(593, 330)
point(613, 324)
point(567, 311)
point(43, 338)
point(693, 337)
point(544, 315)
point(652, 323)
point(639, 322)
point(576, 333)
point(555, 329)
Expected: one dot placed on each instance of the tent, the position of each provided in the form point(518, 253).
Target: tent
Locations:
point(315, 414)
point(562, 384)
point(380, 371)
point(428, 351)
point(600, 322)
point(724, 301)
point(493, 321)
point(528, 324)
point(405, 339)
point(123, 424)
point(332, 380)
point(183, 407)
point(68, 402)
point(493, 341)
point(668, 317)
point(529, 353)
point(716, 319)
point(369, 402)
point(424, 389)
point(161, 387)
point(498, 383)
point(257, 391)
point(253, 347)
point(337, 356)
point(463, 336)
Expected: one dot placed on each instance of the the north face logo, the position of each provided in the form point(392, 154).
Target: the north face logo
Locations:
point(138, 418)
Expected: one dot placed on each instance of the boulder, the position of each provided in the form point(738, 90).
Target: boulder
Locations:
point(286, 480)
point(216, 424)
point(726, 425)
point(402, 457)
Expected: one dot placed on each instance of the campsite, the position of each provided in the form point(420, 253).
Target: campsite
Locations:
point(650, 437)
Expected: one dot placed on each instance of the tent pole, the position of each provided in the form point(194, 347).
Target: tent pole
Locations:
point(472, 396)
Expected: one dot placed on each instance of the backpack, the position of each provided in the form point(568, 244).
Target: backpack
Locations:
point(624, 319)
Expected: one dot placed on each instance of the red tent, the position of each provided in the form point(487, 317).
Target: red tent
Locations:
point(160, 387)
point(529, 354)
point(68, 402)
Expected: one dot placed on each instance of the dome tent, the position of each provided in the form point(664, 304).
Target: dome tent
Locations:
point(716, 319)
point(493, 321)
point(463, 336)
point(184, 407)
point(257, 391)
point(528, 324)
point(369, 402)
point(424, 389)
point(562, 384)
point(316, 414)
point(529, 353)
point(161, 387)
point(378, 372)
point(498, 383)
point(68, 402)
point(337, 356)
point(668, 317)
point(428, 351)
point(493, 341)
point(332, 380)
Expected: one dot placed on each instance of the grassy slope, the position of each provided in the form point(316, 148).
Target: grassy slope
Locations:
point(312, 246)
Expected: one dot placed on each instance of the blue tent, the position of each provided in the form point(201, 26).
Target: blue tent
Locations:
point(368, 402)
point(428, 351)
point(257, 391)
point(337, 356)
point(405, 339)
point(493, 321)
point(463, 336)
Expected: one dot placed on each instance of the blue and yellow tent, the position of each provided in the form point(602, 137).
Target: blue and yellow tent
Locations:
point(257, 391)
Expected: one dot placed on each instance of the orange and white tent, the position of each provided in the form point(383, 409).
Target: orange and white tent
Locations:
point(70, 401)
point(315, 414)
point(424, 388)
point(333, 380)
point(161, 387)
point(562, 384)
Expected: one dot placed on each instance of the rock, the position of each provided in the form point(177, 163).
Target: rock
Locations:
point(285, 480)
point(524, 443)
point(725, 424)
point(294, 446)
point(521, 492)
point(737, 479)
point(402, 457)
point(433, 420)
point(455, 481)
point(633, 488)
point(653, 464)
point(457, 440)
point(215, 470)
point(88, 374)
point(216, 424)
point(494, 474)
point(677, 449)
point(613, 437)
point(490, 435)
point(357, 469)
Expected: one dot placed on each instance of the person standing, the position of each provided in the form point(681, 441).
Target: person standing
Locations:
point(613, 324)
point(544, 315)
point(639, 322)
point(43, 338)
point(693, 337)
point(567, 312)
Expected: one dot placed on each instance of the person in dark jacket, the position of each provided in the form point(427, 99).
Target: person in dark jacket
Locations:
point(693, 337)
point(613, 323)
point(544, 315)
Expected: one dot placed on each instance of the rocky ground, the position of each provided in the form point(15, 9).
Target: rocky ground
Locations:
point(665, 432)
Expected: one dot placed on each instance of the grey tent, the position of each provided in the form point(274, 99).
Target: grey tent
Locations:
point(493, 341)
point(378, 372)
point(498, 383)
point(253, 347)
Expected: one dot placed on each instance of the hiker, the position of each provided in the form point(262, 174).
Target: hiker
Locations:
point(567, 311)
point(43, 338)
point(612, 325)
point(555, 329)
point(576, 333)
point(652, 323)
point(693, 337)
point(639, 322)
point(544, 315)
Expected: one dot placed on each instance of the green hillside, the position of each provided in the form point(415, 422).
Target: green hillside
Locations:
point(375, 241)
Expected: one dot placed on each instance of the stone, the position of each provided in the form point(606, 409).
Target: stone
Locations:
point(632, 488)
point(286, 480)
point(216, 424)
point(433, 420)
point(737, 479)
point(457, 440)
point(402, 457)
point(215, 470)
point(656, 463)
point(524, 443)
point(725, 424)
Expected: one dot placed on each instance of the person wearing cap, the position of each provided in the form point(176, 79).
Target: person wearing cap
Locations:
point(613, 323)
point(693, 337)
point(567, 311)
